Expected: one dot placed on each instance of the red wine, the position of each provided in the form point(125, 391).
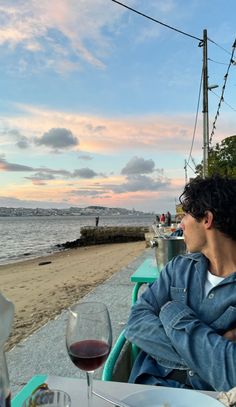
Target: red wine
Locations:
point(89, 354)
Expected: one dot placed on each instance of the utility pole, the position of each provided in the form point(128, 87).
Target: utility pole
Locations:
point(205, 107)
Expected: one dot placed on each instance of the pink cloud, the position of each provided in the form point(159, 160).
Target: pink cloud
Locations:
point(102, 134)
point(162, 133)
point(28, 24)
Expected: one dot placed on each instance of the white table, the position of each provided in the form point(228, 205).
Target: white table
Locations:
point(77, 389)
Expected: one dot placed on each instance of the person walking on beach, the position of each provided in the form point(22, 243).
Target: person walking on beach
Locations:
point(185, 322)
point(97, 221)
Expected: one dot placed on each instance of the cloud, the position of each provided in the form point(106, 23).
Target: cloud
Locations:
point(72, 33)
point(88, 192)
point(47, 174)
point(57, 138)
point(40, 176)
point(23, 143)
point(141, 183)
point(167, 133)
point(6, 166)
point(12, 132)
point(85, 157)
point(138, 165)
point(95, 129)
point(84, 173)
point(13, 202)
point(42, 173)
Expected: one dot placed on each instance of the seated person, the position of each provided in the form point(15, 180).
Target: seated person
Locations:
point(178, 232)
point(184, 323)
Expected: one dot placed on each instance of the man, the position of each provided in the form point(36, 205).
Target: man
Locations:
point(184, 322)
point(168, 218)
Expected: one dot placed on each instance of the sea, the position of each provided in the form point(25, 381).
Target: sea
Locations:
point(28, 237)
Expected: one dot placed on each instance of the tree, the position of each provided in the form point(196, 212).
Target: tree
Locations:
point(221, 159)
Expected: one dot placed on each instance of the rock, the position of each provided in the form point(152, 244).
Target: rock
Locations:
point(44, 262)
point(106, 234)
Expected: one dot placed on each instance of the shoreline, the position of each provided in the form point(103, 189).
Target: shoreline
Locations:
point(41, 288)
point(89, 235)
point(26, 257)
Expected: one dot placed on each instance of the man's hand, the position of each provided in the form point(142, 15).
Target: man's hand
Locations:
point(230, 335)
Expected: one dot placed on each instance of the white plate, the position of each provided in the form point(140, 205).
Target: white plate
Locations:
point(172, 397)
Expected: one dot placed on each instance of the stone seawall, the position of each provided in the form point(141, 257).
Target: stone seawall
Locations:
point(107, 234)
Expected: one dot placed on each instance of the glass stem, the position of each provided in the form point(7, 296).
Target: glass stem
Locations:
point(89, 376)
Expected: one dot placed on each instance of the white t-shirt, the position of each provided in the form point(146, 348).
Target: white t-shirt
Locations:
point(211, 281)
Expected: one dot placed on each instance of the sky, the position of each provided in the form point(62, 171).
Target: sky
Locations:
point(102, 106)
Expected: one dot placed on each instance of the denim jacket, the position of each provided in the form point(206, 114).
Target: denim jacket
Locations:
point(177, 327)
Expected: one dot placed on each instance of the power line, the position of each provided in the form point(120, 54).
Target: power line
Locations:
point(227, 104)
point(217, 62)
point(156, 21)
point(219, 46)
point(190, 167)
point(222, 93)
point(201, 43)
point(196, 119)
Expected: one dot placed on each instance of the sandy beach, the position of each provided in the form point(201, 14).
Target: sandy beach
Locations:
point(41, 288)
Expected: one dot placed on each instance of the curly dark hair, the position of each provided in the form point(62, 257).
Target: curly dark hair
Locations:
point(216, 194)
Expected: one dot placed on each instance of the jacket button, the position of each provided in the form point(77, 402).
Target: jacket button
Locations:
point(191, 373)
point(210, 296)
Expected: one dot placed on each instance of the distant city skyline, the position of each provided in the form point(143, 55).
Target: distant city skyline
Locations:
point(73, 210)
point(98, 104)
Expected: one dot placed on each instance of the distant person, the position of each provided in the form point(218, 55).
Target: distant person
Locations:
point(178, 218)
point(157, 219)
point(185, 322)
point(163, 219)
point(168, 218)
point(97, 220)
point(178, 232)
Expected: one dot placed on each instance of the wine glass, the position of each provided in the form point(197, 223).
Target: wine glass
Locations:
point(89, 338)
point(48, 398)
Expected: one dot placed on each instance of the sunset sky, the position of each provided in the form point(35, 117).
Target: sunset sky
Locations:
point(98, 104)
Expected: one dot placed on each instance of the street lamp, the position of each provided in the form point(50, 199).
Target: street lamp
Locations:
point(210, 87)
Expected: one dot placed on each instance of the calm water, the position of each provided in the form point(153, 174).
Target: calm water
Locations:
point(28, 237)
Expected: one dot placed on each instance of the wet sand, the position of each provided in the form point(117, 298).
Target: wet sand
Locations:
point(41, 288)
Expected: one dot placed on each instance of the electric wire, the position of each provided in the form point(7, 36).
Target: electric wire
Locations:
point(200, 44)
point(222, 93)
point(231, 107)
point(219, 46)
point(156, 21)
point(190, 167)
point(217, 62)
point(200, 87)
point(196, 119)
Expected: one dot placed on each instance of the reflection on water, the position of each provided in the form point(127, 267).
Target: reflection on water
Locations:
point(26, 237)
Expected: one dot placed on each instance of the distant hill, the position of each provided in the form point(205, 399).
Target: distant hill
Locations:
point(93, 210)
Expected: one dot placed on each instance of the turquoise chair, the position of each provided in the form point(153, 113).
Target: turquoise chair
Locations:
point(120, 361)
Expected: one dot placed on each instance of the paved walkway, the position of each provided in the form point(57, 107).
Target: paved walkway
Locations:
point(45, 350)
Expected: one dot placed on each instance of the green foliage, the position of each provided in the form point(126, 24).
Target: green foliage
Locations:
point(221, 159)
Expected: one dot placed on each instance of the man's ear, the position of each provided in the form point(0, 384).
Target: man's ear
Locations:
point(208, 219)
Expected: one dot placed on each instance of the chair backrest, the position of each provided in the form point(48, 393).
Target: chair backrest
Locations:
point(119, 363)
point(123, 365)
